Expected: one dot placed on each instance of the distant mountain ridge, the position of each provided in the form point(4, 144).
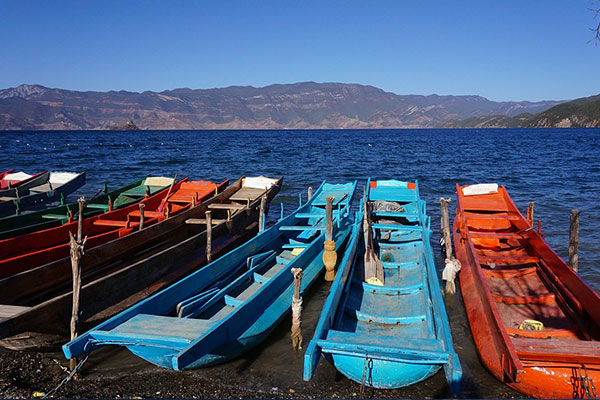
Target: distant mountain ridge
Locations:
point(579, 113)
point(306, 105)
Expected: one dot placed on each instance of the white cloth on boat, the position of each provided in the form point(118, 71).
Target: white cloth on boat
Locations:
point(17, 176)
point(61, 177)
point(259, 182)
point(481, 188)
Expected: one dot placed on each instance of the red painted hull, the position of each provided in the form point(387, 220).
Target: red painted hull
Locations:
point(38, 248)
point(509, 274)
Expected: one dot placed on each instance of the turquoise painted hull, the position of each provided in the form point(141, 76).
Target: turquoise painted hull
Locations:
point(232, 304)
point(383, 374)
point(395, 333)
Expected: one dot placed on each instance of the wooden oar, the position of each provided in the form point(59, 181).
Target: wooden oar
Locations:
point(373, 266)
point(162, 204)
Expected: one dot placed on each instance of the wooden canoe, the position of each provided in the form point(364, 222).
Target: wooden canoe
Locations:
point(38, 248)
point(126, 270)
point(16, 225)
point(11, 179)
point(396, 334)
point(231, 305)
point(39, 191)
point(534, 321)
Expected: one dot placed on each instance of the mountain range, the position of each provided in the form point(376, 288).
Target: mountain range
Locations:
point(306, 105)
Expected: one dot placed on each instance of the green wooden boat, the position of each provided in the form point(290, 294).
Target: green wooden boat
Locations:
point(16, 225)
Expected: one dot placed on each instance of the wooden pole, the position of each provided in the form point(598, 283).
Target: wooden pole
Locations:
point(452, 265)
point(574, 240)
point(309, 192)
point(444, 204)
point(261, 213)
point(329, 218)
point(77, 245)
point(208, 235)
point(142, 206)
point(329, 255)
point(296, 333)
point(531, 204)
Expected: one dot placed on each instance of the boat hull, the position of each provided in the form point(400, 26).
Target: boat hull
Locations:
point(542, 363)
point(381, 374)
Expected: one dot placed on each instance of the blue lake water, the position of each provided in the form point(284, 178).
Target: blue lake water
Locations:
point(559, 169)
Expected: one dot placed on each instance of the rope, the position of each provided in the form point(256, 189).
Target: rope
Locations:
point(69, 377)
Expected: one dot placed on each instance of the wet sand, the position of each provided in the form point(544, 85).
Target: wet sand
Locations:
point(270, 371)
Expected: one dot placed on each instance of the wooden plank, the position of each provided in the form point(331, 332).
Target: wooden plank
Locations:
point(7, 310)
point(556, 350)
point(202, 221)
point(218, 206)
point(387, 352)
point(246, 193)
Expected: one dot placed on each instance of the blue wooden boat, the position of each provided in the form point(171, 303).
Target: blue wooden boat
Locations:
point(396, 334)
point(232, 304)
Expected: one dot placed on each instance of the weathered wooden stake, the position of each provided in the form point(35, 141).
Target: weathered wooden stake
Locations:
point(142, 206)
point(309, 192)
point(296, 333)
point(261, 213)
point(77, 245)
point(452, 265)
point(530, 211)
point(208, 235)
point(329, 255)
point(444, 203)
point(574, 240)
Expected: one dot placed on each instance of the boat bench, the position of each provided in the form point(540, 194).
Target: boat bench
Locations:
point(147, 214)
point(220, 206)
point(142, 328)
point(246, 193)
point(55, 216)
point(98, 206)
point(431, 350)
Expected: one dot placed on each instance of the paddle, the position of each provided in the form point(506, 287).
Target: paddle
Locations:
point(162, 204)
point(373, 266)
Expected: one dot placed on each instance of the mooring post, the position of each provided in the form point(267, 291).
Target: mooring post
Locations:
point(142, 206)
point(329, 255)
point(194, 201)
point(296, 333)
point(444, 204)
point(309, 192)
point(574, 240)
point(77, 245)
point(208, 235)
point(530, 211)
point(452, 265)
point(261, 213)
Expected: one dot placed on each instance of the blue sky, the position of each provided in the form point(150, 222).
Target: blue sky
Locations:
point(502, 50)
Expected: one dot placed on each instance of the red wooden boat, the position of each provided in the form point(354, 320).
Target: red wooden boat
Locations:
point(534, 321)
point(11, 179)
point(38, 248)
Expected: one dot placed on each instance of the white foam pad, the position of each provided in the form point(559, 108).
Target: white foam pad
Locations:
point(17, 176)
point(481, 188)
point(259, 182)
point(158, 181)
point(61, 177)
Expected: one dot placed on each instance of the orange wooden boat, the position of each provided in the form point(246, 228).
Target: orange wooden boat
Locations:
point(38, 248)
point(534, 321)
